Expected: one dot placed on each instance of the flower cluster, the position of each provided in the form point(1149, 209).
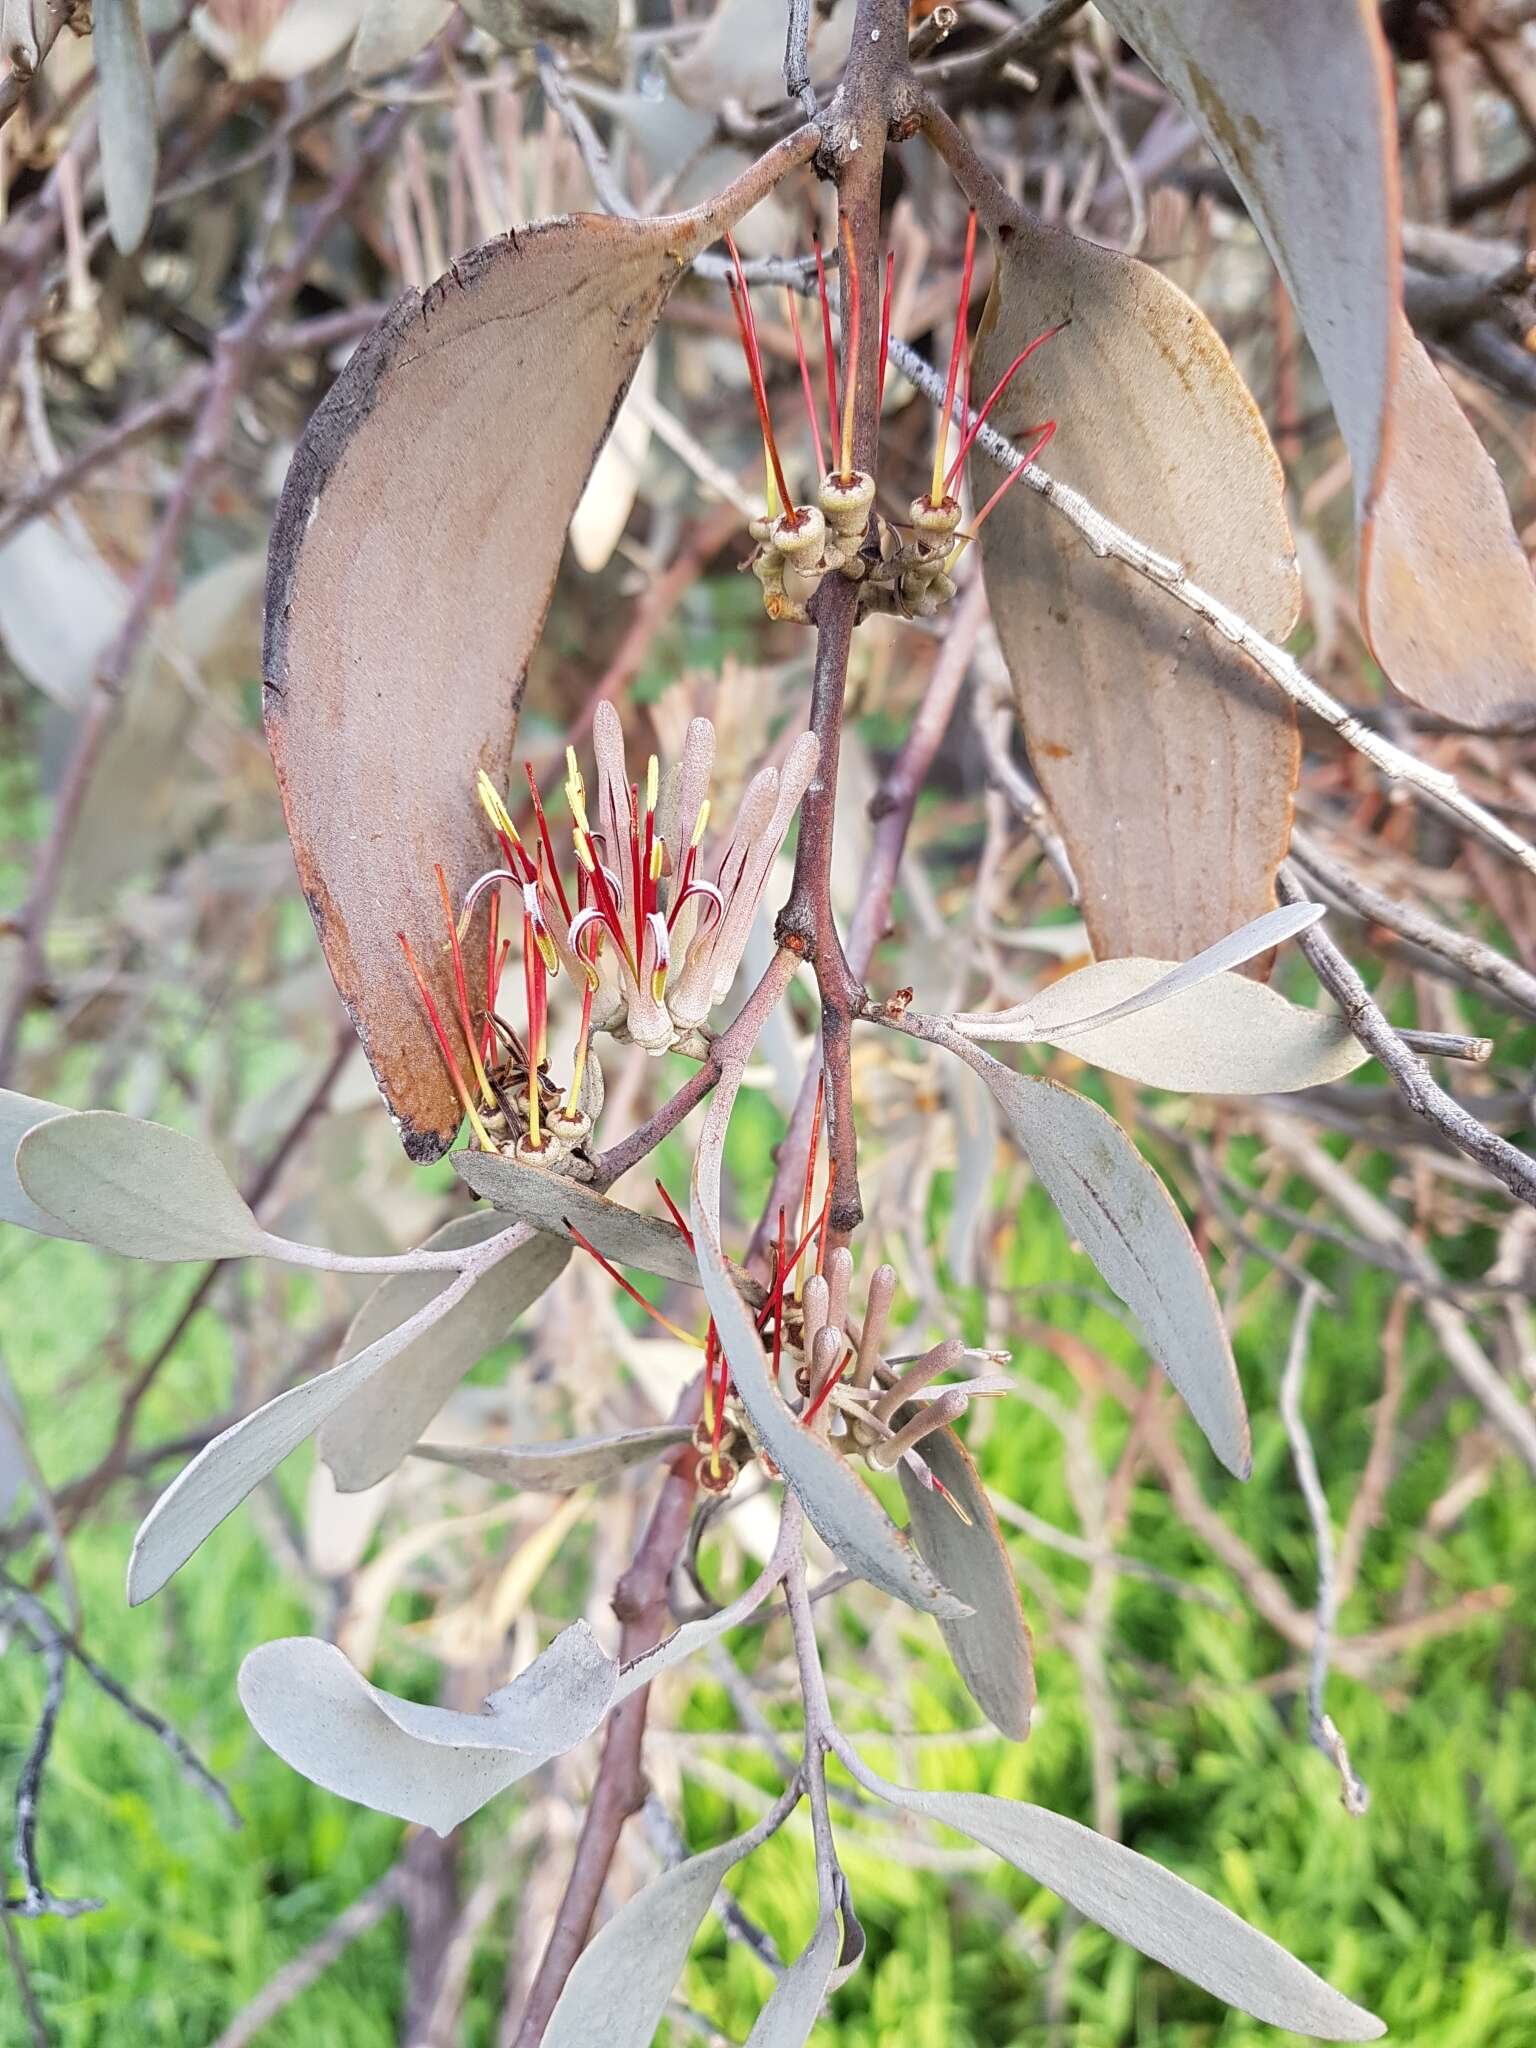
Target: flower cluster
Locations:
point(834, 1372)
point(651, 925)
point(798, 546)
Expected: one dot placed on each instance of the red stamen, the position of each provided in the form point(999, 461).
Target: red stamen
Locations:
point(805, 378)
point(434, 1018)
point(962, 319)
point(549, 850)
point(741, 302)
point(634, 1293)
point(461, 988)
point(850, 347)
point(826, 339)
point(717, 1427)
point(885, 317)
point(778, 1296)
point(826, 1211)
point(1013, 476)
point(810, 1163)
point(492, 970)
point(676, 1214)
point(997, 391)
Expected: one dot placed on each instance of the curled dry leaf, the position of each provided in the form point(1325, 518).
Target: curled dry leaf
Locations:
point(841, 1508)
point(1140, 1902)
point(368, 1435)
point(20, 1114)
point(558, 1467)
point(412, 562)
point(1298, 105)
point(1126, 1221)
point(130, 149)
point(550, 1201)
point(1167, 759)
point(991, 1646)
point(424, 1764)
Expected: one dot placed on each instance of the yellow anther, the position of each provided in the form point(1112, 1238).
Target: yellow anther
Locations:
point(652, 782)
point(701, 824)
point(494, 808)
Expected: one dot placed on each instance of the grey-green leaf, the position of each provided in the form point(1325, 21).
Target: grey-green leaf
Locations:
point(549, 1201)
point(225, 1471)
point(425, 1764)
point(368, 1435)
point(1142, 1903)
point(558, 1467)
point(137, 1188)
point(990, 1646)
point(618, 1991)
point(788, 2017)
point(841, 1508)
point(1126, 1221)
point(20, 1114)
point(126, 96)
point(1226, 1036)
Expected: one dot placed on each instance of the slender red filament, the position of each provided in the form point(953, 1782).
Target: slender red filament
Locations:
point(850, 348)
point(819, 1399)
point(805, 379)
point(885, 317)
point(493, 960)
point(633, 1292)
point(810, 1163)
point(741, 302)
point(998, 389)
point(962, 317)
point(826, 341)
point(722, 1388)
point(676, 1214)
point(434, 1018)
point(548, 844)
point(778, 1297)
point(461, 988)
point(1013, 475)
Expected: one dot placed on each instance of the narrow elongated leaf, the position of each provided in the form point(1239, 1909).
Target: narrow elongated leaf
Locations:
point(558, 1467)
point(1236, 950)
point(129, 138)
point(225, 1471)
point(1126, 1221)
point(18, 1115)
point(1228, 1036)
point(1297, 103)
point(549, 1201)
point(426, 1764)
point(412, 561)
point(1167, 759)
point(137, 1188)
point(991, 1645)
point(368, 1435)
point(1140, 1902)
point(841, 1508)
point(791, 2012)
point(619, 1988)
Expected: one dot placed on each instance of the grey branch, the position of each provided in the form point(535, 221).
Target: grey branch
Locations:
point(1325, 1735)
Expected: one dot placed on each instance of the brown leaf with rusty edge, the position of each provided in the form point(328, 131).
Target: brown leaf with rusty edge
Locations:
point(412, 563)
point(1167, 759)
point(1298, 105)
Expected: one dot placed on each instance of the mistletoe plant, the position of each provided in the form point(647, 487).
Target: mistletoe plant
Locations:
point(411, 566)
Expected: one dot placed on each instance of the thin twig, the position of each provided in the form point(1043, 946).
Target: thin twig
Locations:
point(1409, 1075)
point(1325, 1735)
point(1107, 540)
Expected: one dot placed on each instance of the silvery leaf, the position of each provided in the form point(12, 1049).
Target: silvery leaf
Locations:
point(18, 1115)
point(137, 1188)
point(558, 1467)
point(129, 143)
point(788, 2017)
point(549, 1201)
point(1126, 1221)
point(1142, 1903)
point(425, 1764)
point(225, 1471)
point(366, 1438)
point(990, 1646)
